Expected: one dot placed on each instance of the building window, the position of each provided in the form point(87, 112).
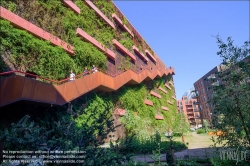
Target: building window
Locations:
point(207, 88)
point(180, 103)
point(200, 107)
point(205, 98)
point(201, 83)
point(202, 90)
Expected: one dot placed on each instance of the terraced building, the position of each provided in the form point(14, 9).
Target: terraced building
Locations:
point(42, 40)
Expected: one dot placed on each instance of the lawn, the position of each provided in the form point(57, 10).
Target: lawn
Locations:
point(196, 140)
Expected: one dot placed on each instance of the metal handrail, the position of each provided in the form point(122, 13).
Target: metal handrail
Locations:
point(43, 78)
point(67, 79)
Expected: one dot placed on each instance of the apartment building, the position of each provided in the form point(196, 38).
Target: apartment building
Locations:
point(204, 92)
point(189, 107)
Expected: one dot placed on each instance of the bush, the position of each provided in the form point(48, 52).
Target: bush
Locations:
point(138, 163)
point(177, 134)
point(200, 131)
point(219, 162)
point(194, 162)
point(147, 146)
point(212, 130)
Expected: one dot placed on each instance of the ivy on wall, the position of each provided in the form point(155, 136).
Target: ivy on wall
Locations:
point(126, 40)
point(139, 118)
point(26, 52)
point(131, 98)
point(63, 23)
point(29, 53)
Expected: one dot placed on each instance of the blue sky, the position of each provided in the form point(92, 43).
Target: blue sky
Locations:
point(180, 32)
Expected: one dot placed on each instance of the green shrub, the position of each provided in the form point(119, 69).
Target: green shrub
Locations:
point(147, 146)
point(194, 162)
point(219, 162)
point(137, 163)
point(200, 131)
point(211, 130)
point(177, 134)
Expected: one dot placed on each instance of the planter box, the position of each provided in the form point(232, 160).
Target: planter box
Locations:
point(165, 108)
point(155, 94)
point(173, 97)
point(159, 117)
point(123, 49)
point(97, 44)
point(71, 5)
point(120, 112)
point(148, 102)
point(169, 102)
point(163, 90)
point(150, 56)
point(139, 53)
point(117, 19)
point(167, 86)
point(99, 13)
point(34, 30)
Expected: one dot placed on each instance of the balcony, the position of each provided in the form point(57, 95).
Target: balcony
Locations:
point(196, 110)
point(212, 76)
point(215, 84)
point(196, 103)
point(188, 103)
point(148, 102)
point(194, 96)
point(155, 94)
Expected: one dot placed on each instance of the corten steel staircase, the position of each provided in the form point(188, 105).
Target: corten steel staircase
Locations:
point(16, 88)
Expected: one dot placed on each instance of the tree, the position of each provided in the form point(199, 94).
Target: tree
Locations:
point(205, 125)
point(231, 97)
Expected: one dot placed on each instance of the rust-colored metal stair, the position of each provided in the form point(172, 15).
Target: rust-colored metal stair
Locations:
point(16, 88)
